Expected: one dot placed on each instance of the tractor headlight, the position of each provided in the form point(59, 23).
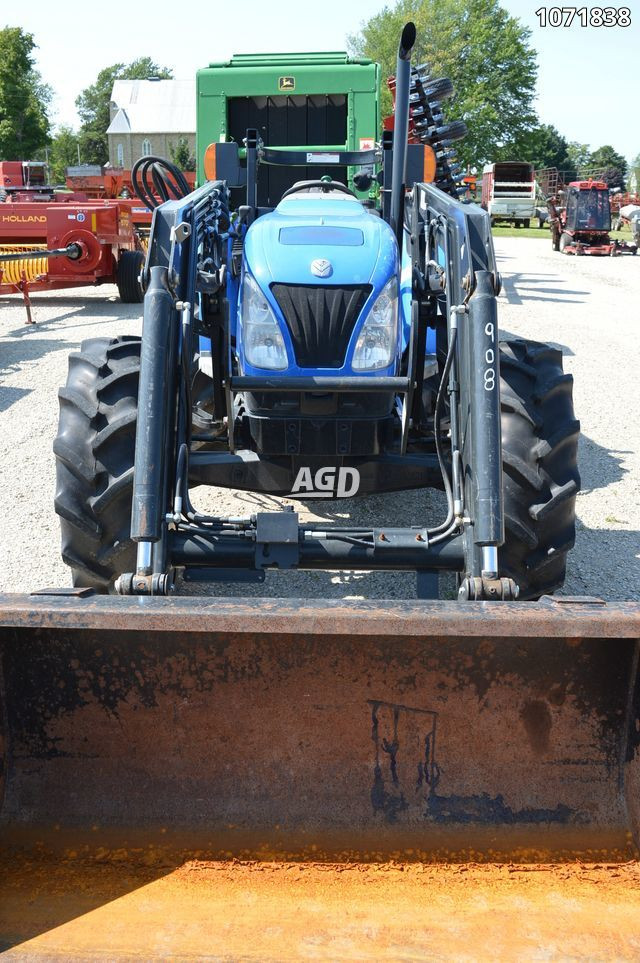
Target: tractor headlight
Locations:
point(375, 347)
point(263, 342)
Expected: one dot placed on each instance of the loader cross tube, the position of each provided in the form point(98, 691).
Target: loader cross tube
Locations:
point(351, 385)
point(390, 549)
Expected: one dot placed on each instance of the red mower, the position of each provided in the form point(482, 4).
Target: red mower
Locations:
point(581, 221)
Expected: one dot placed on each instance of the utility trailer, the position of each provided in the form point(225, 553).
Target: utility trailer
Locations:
point(509, 192)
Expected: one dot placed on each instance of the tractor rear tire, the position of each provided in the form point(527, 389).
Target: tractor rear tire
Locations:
point(130, 264)
point(540, 472)
point(94, 451)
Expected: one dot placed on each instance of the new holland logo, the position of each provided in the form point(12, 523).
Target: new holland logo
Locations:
point(321, 268)
point(327, 483)
point(24, 218)
point(286, 83)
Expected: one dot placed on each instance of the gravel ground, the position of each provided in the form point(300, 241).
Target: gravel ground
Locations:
point(587, 306)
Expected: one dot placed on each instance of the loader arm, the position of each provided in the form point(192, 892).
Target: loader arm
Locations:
point(454, 263)
point(184, 261)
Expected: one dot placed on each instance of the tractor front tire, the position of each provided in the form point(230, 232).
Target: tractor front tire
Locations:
point(130, 263)
point(94, 450)
point(565, 239)
point(540, 472)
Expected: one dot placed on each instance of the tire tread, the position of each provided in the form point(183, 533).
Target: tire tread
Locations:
point(541, 479)
point(94, 452)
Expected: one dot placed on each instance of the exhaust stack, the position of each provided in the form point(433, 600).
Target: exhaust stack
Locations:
point(401, 127)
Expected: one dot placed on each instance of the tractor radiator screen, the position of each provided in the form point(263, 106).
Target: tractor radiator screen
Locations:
point(290, 121)
point(321, 319)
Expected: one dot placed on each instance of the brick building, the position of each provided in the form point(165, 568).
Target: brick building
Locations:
point(150, 117)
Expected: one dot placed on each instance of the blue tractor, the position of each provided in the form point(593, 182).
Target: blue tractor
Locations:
point(325, 348)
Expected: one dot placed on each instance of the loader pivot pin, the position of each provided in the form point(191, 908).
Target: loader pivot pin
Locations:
point(134, 584)
point(488, 590)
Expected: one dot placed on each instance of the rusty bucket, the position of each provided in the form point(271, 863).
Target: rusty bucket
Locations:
point(417, 730)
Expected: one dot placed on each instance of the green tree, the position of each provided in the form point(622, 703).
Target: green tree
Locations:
point(610, 165)
point(93, 104)
point(24, 98)
point(63, 153)
point(580, 156)
point(182, 156)
point(481, 47)
point(634, 173)
point(543, 146)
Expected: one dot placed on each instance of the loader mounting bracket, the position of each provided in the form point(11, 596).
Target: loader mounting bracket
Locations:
point(277, 539)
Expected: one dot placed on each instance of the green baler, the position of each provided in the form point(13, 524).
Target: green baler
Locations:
point(305, 101)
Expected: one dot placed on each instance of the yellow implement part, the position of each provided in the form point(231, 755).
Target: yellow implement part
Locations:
point(15, 272)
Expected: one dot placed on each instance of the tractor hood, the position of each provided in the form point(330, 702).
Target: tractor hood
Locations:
point(316, 239)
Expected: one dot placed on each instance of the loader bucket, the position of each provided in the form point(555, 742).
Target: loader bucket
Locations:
point(296, 729)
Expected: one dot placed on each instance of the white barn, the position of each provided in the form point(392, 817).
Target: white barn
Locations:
point(150, 117)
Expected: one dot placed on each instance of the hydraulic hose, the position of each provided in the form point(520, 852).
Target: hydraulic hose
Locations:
point(156, 177)
point(444, 526)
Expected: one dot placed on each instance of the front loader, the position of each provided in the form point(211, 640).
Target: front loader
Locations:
point(324, 348)
point(329, 347)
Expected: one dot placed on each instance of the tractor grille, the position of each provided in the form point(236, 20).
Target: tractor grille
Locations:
point(321, 319)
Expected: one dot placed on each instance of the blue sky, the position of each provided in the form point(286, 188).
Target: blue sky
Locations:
point(587, 84)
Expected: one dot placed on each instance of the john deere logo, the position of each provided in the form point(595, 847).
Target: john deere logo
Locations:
point(286, 83)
